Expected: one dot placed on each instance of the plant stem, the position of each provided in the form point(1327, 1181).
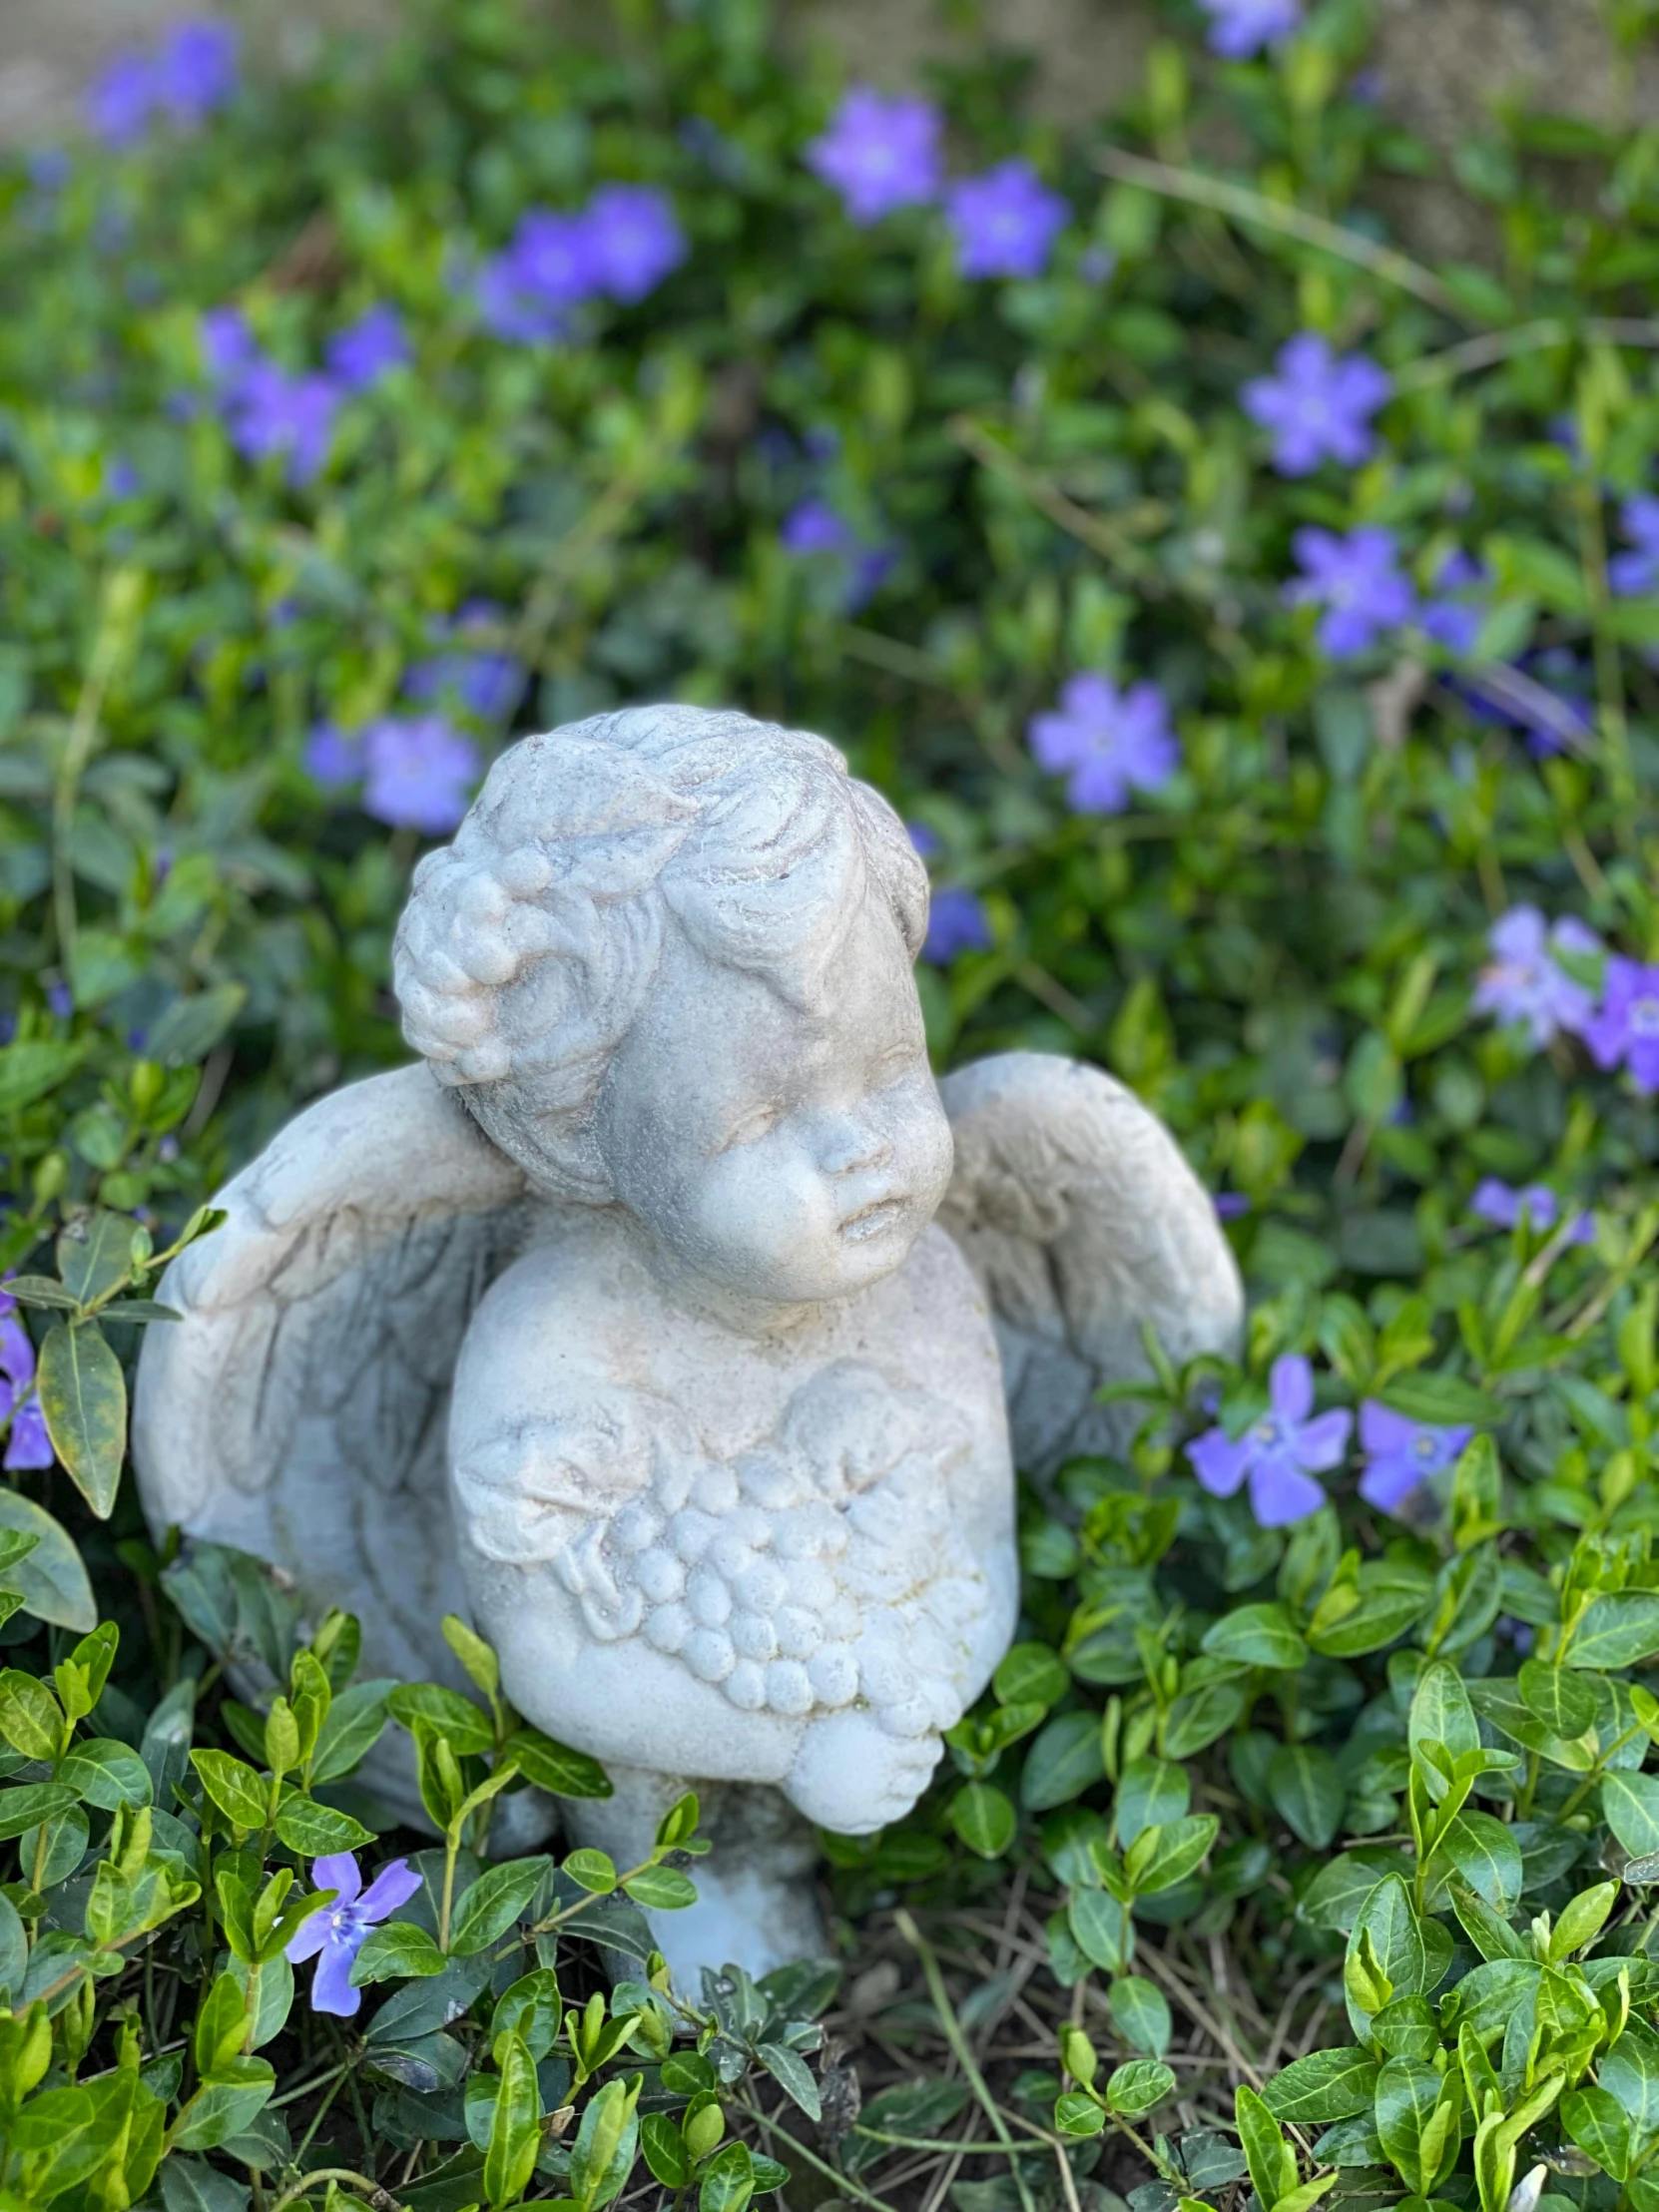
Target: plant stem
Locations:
point(957, 2040)
point(349, 2177)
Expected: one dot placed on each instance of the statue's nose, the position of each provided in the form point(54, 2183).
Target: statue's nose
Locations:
point(850, 1145)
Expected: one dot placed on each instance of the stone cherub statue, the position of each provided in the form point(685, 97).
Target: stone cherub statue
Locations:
point(653, 1319)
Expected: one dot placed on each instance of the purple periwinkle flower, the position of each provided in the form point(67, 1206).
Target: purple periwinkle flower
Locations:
point(1240, 29)
point(1401, 1453)
point(1632, 575)
point(61, 999)
point(1231, 1205)
point(196, 69)
point(1358, 581)
point(1522, 982)
point(813, 529)
point(334, 756)
point(1280, 1452)
point(634, 241)
point(366, 350)
point(27, 1444)
point(1318, 405)
point(484, 681)
point(956, 923)
point(271, 412)
point(419, 773)
point(1624, 1030)
point(49, 168)
point(509, 310)
point(1454, 619)
point(1505, 1206)
point(927, 844)
point(335, 1934)
point(879, 153)
point(1005, 223)
point(1106, 742)
point(227, 344)
point(122, 97)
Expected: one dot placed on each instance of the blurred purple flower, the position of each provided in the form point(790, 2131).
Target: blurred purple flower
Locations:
point(196, 69)
point(509, 310)
point(1624, 1030)
point(363, 353)
point(1522, 983)
point(1318, 405)
point(1457, 619)
point(1006, 222)
point(1632, 575)
point(1106, 742)
point(225, 343)
point(485, 682)
point(28, 1447)
point(1401, 1453)
point(879, 153)
point(1096, 264)
point(1356, 580)
point(419, 773)
point(122, 97)
point(1503, 1204)
point(956, 923)
point(926, 843)
point(50, 167)
point(549, 265)
point(61, 999)
point(634, 240)
point(271, 412)
point(1280, 1452)
point(1231, 1205)
point(339, 1931)
point(334, 756)
point(1240, 28)
point(121, 479)
point(813, 529)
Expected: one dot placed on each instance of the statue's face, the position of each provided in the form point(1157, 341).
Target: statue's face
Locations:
point(778, 1152)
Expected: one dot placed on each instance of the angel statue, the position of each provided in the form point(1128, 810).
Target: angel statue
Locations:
point(667, 1319)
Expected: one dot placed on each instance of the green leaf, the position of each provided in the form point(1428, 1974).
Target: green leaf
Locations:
point(52, 1578)
point(1149, 1793)
point(1031, 1674)
point(1326, 2085)
point(1629, 2072)
point(1407, 2095)
point(1139, 2015)
point(467, 1729)
point(190, 1029)
point(1064, 1760)
point(29, 1069)
point(1077, 2114)
point(1630, 1807)
point(353, 1725)
point(398, 1951)
point(1257, 1636)
point(984, 1819)
point(30, 1805)
point(661, 1889)
point(1132, 2090)
point(492, 1903)
point(664, 2150)
point(1443, 1400)
point(31, 1719)
point(1500, 1701)
point(1199, 1715)
point(315, 1830)
point(1597, 2124)
point(234, 1788)
point(83, 1396)
point(792, 2075)
point(1161, 1856)
point(1099, 1924)
point(1389, 1920)
point(483, 1667)
point(727, 2180)
point(515, 2133)
point(555, 1767)
point(106, 1773)
point(1560, 1700)
point(1618, 1628)
point(1488, 1856)
point(1307, 1793)
point(222, 2108)
point(95, 1254)
point(1442, 1713)
point(1270, 2158)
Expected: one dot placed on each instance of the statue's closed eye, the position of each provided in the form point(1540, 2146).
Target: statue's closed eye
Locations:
point(749, 1128)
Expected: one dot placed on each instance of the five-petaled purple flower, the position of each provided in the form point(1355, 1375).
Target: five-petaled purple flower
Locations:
point(956, 923)
point(1280, 1452)
point(1359, 582)
point(1005, 223)
point(366, 350)
point(193, 72)
point(1455, 619)
point(27, 1444)
point(620, 246)
point(813, 528)
point(339, 1931)
point(634, 241)
point(419, 773)
point(1401, 1453)
point(1106, 742)
point(1503, 1204)
point(1633, 575)
point(1625, 1027)
point(271, 412)
point(1523, 983)
point(879, 153)
point(1240, 28)
point(1318, 405)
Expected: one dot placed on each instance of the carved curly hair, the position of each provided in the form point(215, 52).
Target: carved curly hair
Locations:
point(527, 947)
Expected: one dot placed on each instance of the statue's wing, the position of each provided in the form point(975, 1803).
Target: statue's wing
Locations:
point(299, 1409)
point(1082, 1220)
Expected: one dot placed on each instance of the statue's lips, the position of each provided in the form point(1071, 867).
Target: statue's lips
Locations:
point(873, 1220)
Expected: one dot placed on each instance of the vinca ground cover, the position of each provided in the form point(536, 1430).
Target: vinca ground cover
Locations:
point(1260, 628)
